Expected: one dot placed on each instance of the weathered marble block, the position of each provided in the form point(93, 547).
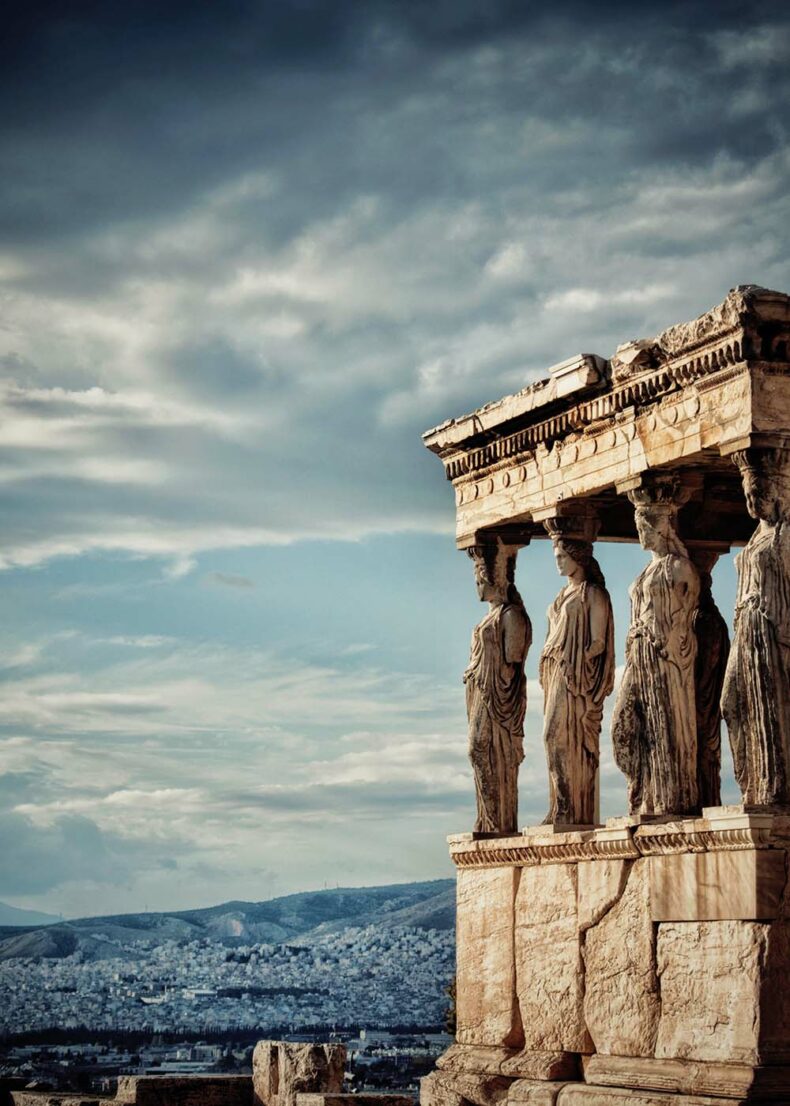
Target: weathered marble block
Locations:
point(580, 1095)
point(646, 962)
point(363, 1099)
point(549, 970)
point(281, 1070)
point(621, 1000)
point(735, 885)
point(710, 974)
point(487, 1009)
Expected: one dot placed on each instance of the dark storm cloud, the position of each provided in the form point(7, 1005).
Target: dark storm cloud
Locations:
point(366, 798)
point(128, 110)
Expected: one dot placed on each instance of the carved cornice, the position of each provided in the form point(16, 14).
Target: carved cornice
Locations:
point(704, 841)
point(722, 831)
point(528, 851)
point(744, 309)
point(750, 330)
point(593, 416)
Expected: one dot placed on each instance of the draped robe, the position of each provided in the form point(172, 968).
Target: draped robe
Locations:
point(756, 696)
point(574, 688)
point(496, 701)
point(654, 724)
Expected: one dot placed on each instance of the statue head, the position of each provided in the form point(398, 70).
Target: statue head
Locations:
point(765, 473)
point(573, 553)
point(570, 554)
point(495, 567)
point(655, 527)
point(656, 506)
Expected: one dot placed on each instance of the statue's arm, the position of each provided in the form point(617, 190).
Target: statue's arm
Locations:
point(681, 643)
point(599, 622)
point(514, 633)
point(686, 580)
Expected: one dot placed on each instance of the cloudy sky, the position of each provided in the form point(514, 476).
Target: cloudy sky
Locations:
point(248, 253)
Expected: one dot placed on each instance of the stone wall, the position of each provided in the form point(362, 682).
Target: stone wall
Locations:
point(653, 956)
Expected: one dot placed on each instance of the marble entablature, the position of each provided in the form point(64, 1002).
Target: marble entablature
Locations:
point(689, 399)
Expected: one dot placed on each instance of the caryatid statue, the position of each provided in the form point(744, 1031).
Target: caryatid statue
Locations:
point(756, 696)
point(496, 692)
point(576, 674)
point(713, 647)
point(654, 729)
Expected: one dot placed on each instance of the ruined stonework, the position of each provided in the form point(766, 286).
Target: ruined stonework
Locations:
point(621, 999)
point(281, 1070)
point(649, 958)
point(549, 976)
point(644, 962)
point(486, 1008)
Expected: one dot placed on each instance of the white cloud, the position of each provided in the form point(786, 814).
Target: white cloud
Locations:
point(510, 262)
point(594, 299)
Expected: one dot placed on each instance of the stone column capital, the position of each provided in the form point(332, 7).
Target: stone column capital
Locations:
point(575, 519)
point(669, 489)
point(514, 537)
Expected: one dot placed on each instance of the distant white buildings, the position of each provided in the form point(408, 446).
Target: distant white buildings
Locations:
point(364, 976)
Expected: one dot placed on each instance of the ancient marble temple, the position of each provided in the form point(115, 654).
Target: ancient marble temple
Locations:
point(646, 960)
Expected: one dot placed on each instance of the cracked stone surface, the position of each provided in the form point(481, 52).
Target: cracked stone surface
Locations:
point(600, 885)
point(621, 1001)
point(581, 1095)
point(710, 990)
point(549, 968)
point(457, 1089)
point(649, 1009)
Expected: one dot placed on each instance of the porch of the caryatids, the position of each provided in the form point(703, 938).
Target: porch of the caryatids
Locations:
point(576, 670)
point(654, 730)
point(756, 696)
point(496, 688)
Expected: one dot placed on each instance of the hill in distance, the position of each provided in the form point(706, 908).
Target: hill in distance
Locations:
point(13, 916)
point(297, 919)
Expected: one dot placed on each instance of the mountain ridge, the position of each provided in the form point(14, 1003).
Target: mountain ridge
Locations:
point(300, 918)
point(17, 916)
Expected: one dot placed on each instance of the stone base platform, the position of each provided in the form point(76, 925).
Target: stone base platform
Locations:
point(527, 1092)
point(645, 962)
point(482, 1077)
